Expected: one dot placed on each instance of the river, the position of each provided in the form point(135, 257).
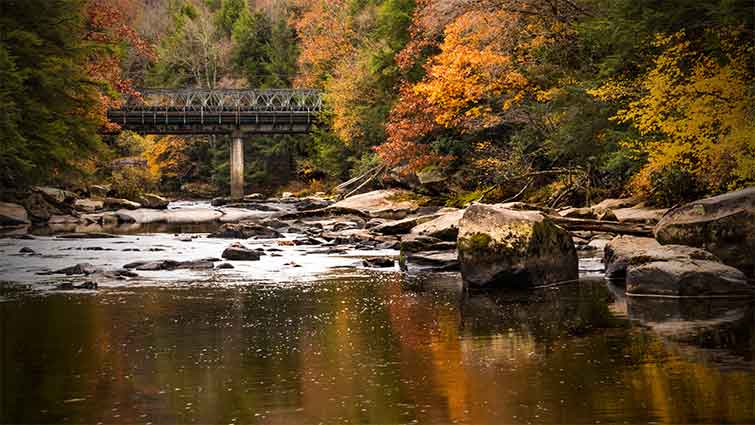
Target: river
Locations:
point(307, 337)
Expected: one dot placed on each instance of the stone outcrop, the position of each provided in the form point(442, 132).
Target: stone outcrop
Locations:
point(403, 226)
point(723, 225)
point(12, 214)
point(499, 247)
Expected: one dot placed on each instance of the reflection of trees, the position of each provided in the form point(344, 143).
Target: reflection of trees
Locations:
point(370, 350)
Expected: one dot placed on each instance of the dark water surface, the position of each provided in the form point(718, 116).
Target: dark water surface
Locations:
point(375, 349)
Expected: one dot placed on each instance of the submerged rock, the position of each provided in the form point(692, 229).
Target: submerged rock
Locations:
point(91, 235)
point(499, 247)
point(238, 252)
point(378, 262)
point(12, 214)
point(724, 225)
point(78, 269)
point(245, 231)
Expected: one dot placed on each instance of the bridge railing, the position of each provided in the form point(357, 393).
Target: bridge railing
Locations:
point(209, 101)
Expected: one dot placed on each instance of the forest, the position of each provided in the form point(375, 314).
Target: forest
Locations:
point(551, 101)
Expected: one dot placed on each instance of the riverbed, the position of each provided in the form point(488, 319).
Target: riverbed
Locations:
point(309, 336)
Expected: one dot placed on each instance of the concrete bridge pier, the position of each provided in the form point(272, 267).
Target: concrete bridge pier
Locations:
point(237, 165)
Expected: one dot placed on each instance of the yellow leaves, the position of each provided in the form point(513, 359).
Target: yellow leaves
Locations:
point(694, 112)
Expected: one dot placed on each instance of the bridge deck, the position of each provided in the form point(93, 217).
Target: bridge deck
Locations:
point(187, 111)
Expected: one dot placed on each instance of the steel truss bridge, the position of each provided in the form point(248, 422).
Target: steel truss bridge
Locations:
point(200, 111)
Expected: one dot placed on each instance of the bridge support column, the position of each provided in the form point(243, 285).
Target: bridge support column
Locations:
point(237, 165)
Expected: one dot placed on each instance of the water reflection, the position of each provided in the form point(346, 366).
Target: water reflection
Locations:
point(382, 349)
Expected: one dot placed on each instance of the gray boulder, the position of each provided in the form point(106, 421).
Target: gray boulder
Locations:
point(624, 251)
point(723, 225)
point(55, 196)
point(12, 214)
point(499, 247)
point(687, 278)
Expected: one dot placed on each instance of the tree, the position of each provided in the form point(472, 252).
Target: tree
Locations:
point(50, 104)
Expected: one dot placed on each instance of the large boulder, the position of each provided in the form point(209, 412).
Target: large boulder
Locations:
point(724, 225)
point(507, 248)
point(444, 227)
point(623, 251)
point(687, 278)
point(388, 203)
point(150, 200)
point(55, 196)
point(639, 214)
point(40, 210)
point(12, 214)
point(670, 270)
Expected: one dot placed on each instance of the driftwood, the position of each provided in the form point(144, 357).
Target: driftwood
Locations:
point(618, 227)
point(357, 181)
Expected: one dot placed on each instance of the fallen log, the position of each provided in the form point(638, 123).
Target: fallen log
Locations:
point(635, 229)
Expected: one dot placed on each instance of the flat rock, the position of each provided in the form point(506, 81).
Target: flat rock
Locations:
point(177, 216)
point(436, 260)
point(639, 214)
point(625, 251)
point(445, 227)
point(378, 262)
point(387, 203)
point(403, 226)
point(687, 278)
point(723, 225)
point(13, 214)
point(90, 235)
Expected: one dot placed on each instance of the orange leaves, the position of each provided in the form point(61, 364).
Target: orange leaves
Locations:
point(326, 37)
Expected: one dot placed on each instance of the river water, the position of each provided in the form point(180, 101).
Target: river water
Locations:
point(331, 342)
